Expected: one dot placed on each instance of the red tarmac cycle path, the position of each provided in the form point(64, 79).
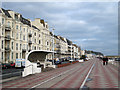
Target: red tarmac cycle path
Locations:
point(101, 77)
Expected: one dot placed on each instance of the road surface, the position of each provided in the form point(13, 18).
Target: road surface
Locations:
point(90, 74)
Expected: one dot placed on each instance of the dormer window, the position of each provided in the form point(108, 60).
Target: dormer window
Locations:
point(16, 16)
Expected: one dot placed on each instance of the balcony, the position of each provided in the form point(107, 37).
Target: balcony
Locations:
point(23, 50)
point(7, 28)
point(30, 42)
point(30, 34)
point(7, 49)
point(7, 37)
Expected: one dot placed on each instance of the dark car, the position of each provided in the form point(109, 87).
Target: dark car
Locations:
point(57, 62)
point(6, 65)
point(117, 59)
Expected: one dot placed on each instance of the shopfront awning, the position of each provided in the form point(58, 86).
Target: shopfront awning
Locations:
point(35, 55)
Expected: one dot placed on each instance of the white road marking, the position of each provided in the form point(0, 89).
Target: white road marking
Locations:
point(86, 77)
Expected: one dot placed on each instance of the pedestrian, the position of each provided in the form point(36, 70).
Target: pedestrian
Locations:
point(104, 60)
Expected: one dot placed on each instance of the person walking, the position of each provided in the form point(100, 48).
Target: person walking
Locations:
point(104, 60)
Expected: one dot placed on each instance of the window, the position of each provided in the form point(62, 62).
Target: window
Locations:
point(8, 23)
point(35, 33)
point(2, 20)
point(20, 55)
point(8, 56)
point(12, 55)
point(12, 34)
point(39, 35)
point(39, 41)
point(47, 43)
point(27, 47)
point(35, 47)
point(20, 36)
point(27, 29)
point(16, 46)
point(12, 45)
point(35, 40)
point(16, 26)
point(2, 44)
point(20, 46)
point(16, 16)
point(24, 29)
point(2, 31)
point(23, 46)
point(16, 35)
point(2, 56)
point(23, 37)
point(12, 25)
point(16, 55)
point(20, 28)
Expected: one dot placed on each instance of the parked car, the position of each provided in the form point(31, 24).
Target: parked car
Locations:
point(57, 62)
point(117, 59)
point(6, 65)
point(12, 65)
point(71, 60)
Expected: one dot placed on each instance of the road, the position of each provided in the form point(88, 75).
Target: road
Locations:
point(90, 74)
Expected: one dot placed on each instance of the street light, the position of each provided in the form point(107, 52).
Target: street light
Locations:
point(53, 44)
point(71, 51)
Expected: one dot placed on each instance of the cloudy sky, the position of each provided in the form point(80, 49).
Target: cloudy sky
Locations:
point(91, 25)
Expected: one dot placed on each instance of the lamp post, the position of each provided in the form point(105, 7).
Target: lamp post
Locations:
point(71, 51)
point(53, 44)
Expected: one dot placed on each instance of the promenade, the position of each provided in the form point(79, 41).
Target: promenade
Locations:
point(90, 74)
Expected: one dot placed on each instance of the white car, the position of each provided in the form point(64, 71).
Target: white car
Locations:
point(71, 60)
point(81, 60)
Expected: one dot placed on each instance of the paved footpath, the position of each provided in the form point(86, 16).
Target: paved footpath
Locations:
point(72, 76)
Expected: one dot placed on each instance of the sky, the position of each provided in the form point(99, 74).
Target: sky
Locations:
point(91, 25)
